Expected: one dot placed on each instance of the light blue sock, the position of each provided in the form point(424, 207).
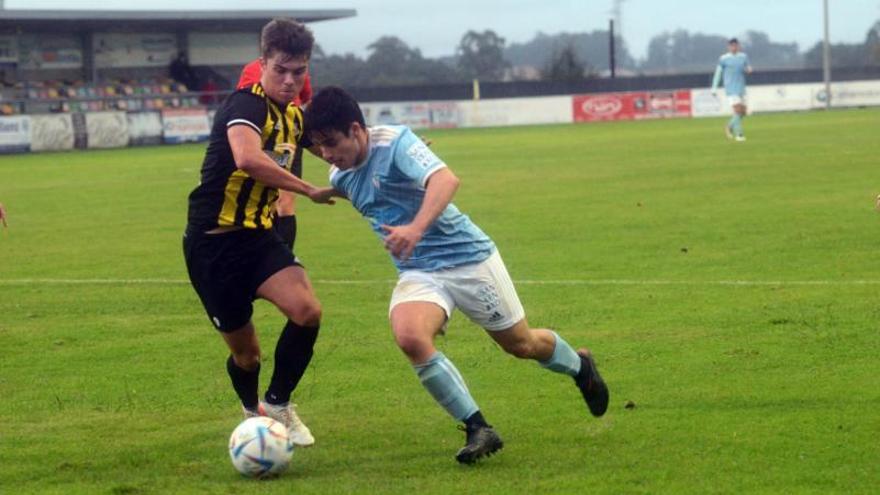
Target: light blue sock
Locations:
point(731, 124)
point(564, 359)
point(446, 385)
point(737, 124)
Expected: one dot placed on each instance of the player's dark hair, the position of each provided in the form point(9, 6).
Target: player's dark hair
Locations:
point(332, 109)
point(287, 36)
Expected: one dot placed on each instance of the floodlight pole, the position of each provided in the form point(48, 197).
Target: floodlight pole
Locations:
point(612, 62)
point(826, 58)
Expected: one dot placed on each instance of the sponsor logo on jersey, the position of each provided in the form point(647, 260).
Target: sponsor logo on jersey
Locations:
point(421, 154)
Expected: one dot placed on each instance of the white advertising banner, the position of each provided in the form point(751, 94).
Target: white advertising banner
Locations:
point(516, 111)
point(705, 104)
point(764, 98)
point(134, 49)
point(180, 125)
point(106, 129)
point(779, 98)
point(15, 134)
point(223, 48)
point(417, 115)
point(144, 127)
point(470, 113)
point(51, 132)
point(848, 94)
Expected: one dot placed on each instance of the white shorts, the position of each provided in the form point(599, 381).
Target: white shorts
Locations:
point(734, 100)
point(482, 291)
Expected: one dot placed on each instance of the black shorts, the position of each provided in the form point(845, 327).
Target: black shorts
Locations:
point(227, 269)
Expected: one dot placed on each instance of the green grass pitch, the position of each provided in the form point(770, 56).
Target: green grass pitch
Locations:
point(729, 291)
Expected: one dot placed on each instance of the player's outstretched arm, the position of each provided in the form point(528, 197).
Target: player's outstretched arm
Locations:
point(3, 215)
point(716, 79)
point(249, 157)
point(402, 240)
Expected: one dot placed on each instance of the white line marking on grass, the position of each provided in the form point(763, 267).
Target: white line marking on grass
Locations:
point(170, 281)
point(699, 282)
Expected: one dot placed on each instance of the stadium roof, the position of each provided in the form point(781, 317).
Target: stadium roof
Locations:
point(18, 21)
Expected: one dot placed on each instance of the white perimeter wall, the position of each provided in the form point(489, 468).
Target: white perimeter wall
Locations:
point(559, 109)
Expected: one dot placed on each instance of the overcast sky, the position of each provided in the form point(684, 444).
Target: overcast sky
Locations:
point(435, 27)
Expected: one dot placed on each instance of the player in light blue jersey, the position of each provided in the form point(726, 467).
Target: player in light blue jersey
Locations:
point(732, 69)
point(443, 259)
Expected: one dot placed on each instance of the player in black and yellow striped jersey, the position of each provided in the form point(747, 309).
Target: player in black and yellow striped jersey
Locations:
point(232, 255)
point(227, 196)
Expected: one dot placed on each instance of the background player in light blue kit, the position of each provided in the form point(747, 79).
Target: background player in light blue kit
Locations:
point(732, 69)
point(444, 261)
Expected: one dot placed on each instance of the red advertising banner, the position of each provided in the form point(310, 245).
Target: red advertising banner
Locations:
point(632, 106)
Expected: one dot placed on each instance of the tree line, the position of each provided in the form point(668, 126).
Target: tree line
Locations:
point(569, 57)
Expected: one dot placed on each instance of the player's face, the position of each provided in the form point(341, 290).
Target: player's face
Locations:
point(343, 151)
point(283, 76)
point(733, 47)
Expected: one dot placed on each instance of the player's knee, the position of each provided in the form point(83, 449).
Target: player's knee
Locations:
point(307, 315)
point(247, 360)
point(411, 343)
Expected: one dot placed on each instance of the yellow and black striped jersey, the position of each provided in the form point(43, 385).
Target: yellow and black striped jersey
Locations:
point(226, 196)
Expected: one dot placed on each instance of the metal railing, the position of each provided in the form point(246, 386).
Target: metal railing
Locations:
point(141, 102)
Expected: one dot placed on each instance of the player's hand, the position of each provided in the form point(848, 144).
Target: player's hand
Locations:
point(401, 240)
point(3, 215)
point(323, 195)
point(876, 205)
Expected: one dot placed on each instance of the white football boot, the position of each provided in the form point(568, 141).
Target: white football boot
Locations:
point(286, 414)
point(248, 414)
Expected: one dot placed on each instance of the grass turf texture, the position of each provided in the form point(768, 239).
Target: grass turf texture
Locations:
point(622, 236)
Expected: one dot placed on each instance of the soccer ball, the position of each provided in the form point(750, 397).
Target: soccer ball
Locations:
point(260, 447)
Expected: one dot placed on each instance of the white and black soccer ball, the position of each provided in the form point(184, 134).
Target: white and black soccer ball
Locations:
point(260, 447)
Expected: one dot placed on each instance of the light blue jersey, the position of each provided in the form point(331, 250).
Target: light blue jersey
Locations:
point(388, 189)
point(732, 68)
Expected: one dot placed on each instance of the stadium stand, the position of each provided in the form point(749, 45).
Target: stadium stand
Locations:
point(79, 61)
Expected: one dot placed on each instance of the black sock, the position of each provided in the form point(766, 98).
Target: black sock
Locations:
point(285, 227)
point(475, 419)
point(245, 383)
point(292, 355)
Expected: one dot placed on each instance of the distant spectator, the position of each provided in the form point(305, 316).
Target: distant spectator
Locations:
point(210, 87)
point(182, 72)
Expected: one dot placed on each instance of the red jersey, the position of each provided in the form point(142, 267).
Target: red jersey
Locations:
point(251, 75)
